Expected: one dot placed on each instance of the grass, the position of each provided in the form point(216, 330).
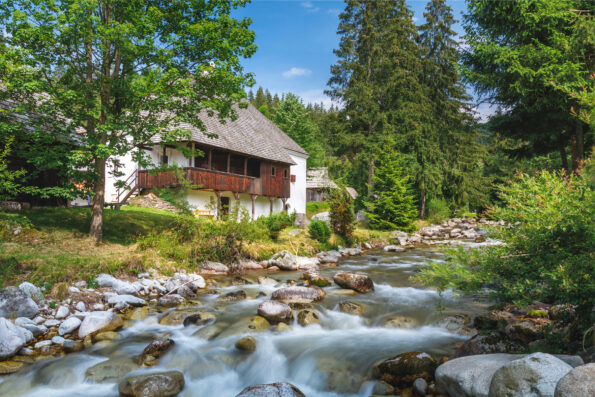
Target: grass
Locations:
point(54, 246)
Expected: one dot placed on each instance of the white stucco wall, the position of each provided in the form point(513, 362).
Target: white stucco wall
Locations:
point(206, 200)
point(297, 199)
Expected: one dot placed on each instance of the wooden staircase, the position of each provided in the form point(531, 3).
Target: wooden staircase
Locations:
point(128, 191)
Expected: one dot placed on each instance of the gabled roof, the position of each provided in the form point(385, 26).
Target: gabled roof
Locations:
point(252, 133)
point(317, 178)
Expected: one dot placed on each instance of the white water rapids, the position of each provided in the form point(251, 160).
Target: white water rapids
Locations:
point(333, 358)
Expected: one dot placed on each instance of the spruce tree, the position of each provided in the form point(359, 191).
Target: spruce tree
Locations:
point(391, 205)
point(259, 98)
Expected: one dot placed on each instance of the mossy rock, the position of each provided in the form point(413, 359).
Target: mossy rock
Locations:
point(111, 370)
point(10, 367)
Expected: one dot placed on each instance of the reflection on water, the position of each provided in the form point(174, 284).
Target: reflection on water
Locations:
point(332, 358)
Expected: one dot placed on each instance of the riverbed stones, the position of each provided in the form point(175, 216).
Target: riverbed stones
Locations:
point(120, 286)
point(171, 300)
point(139, 313)
point(308, 317)
point(190, 280)
point(12, 338)
point(110, 370)
point(31, 290)
point(298, 294)
point(10, 367)
point(577, 383)
point(420, 387)
point(177, 317)
point(233, 296)
point(275, 312)
point(96, 322)
point(328, 257)
point(381, 388)
point(535, 375)
point(457, 324)
point(284, 260)
point(16, 303)
point(400, 322)
point(246, 326)
point(213, 268)
point(154, 351)
point(356, 281)
point(314, 278)
point(30, 325)
point(107, 335)
point(394, 248)
point(405, 368)
point(280, 389)
point(62, 312)
point(352, 308)
point(69, 325)
point(124, 300)
point(156, 384)
point(246, 344)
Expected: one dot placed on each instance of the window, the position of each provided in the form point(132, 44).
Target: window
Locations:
point(286, 173)
point(273, 171)
point(253, 168)
point(236, 164)
point(219, 161)
point(202, 161)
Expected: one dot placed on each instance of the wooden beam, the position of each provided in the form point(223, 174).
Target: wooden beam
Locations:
point(253, 197)
point(228, 162)
point(218, 194)
point(271, 205)
point(284, 200)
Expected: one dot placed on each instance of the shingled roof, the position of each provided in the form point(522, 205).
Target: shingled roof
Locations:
point(317, 178)
point(252, 133)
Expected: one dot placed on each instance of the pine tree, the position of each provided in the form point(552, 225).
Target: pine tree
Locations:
point(259, 99)
point(391, 205)
point(458, 160)
point(250, 96)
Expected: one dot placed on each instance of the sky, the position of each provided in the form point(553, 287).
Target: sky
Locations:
point(296, 39)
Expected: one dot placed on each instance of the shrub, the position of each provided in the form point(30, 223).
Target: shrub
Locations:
point(548, 250)
point(437, 210)
point(341, 213)
point(319, 231)
point(274, 223)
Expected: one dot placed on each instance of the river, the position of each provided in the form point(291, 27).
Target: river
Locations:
point(332, 358)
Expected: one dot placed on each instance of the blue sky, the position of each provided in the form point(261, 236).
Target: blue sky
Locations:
point(296, 39)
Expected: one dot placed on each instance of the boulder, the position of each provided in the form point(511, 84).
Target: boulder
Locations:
point(351, 251)
point(140, 313)
point(156, 384)
point(488, 343)
point(186, 317)
point(322, 216)
point(30, 325)
point(328, 257)
point(121, 287)
point(69, 326)
point(246, 344)
point(10, 367)
point(247, 325)
point(352, 308)
point(405, 367)
point(281, 389)
point(355, 281)
point(400, 322)
point(535, 375)
point(308, 317)
point(577, 383)
point(110, 370)
point(12, 338)
point(233, 296)
point(32, 291)
point(191, 280)
point(213, 268)
point(62, 312)
point(394, 248)
point(314, 278)
point(275, 312)
point(124, 300)
point(14, 302)
point(457, 324)
point(297, 294)
point(154, 350)
point(171, 300)
point(284, 260)
point(96, 322)
point(471, 376)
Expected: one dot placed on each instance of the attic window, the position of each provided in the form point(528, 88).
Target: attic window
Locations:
point(273, 171)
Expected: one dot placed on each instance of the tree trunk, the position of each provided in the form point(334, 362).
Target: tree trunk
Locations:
point(96, 229)
point(371, 176)
point(422, 204)
point(577, 146)
point(564, 158)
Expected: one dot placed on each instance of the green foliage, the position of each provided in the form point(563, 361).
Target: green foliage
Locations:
point(274, 223)
point(314, 207)
point(548, 250)
point(391, 204)
point(177, 195)
point(320, 231)
point(438, 210)
point(341, 213)
point(9, 187)
point(122, 72)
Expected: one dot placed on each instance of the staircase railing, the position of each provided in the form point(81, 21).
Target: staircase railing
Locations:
point(130, 186)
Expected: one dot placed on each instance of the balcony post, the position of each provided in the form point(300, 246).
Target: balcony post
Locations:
point(218, 194)
point(253, 198)
point(271, 205)
point(284, 200)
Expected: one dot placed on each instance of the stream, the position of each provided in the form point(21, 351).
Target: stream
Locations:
point(332, 358)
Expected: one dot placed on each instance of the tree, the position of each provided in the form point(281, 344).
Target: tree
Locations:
point(391, 205)
point(111, 75)
point(376, 80)
point(259, 98)
point(456, 160)
point(292, 117)
point(341, 213)
point(515, 50)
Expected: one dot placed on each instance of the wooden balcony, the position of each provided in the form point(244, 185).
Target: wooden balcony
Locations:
point(274, 186)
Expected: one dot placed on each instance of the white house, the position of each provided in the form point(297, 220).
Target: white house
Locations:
point(250, 162)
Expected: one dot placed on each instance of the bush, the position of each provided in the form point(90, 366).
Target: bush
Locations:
point(274, 223)
point(548, 250)
point(319, 231)
point(341, 213)
point(437, 210)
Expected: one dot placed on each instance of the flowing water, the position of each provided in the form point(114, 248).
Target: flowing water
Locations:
point(333, 358)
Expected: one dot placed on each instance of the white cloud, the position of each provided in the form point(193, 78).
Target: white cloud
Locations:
point(293, 72)
point(333, 11)
point(310, 7)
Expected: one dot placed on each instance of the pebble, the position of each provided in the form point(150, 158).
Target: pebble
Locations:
point(80, 306)
point(62, 312)
point(42, 343)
